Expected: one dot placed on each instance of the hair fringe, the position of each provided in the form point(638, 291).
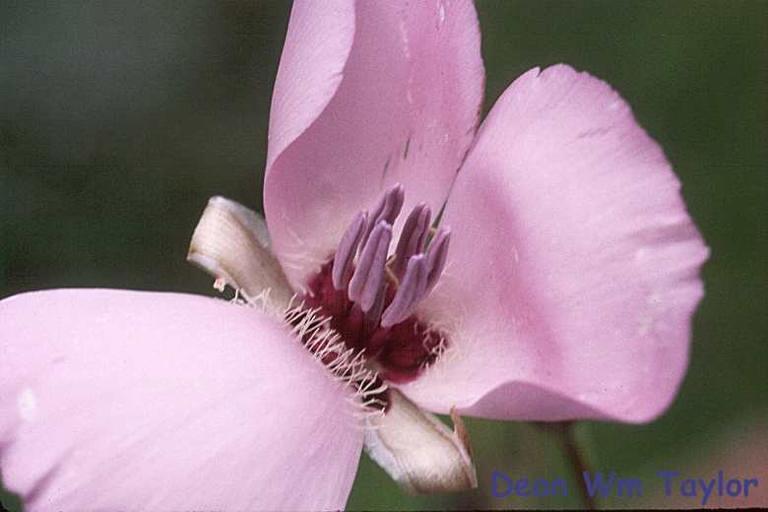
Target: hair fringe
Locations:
point(346, 365)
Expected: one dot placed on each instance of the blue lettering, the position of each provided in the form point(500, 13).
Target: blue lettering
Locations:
point(629, 487)
point(559, 485)
point(522, 487)
point(707, 490)
point(499, 477)
point(540, 487)
point(667, 476)
point(688, 488)
point(598, 486)
point(736, 490)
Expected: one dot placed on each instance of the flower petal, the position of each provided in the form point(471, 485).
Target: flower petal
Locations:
point(368, 94)
point(573, 271)
point(117, 400)
point(231, 243)
point(418, 451)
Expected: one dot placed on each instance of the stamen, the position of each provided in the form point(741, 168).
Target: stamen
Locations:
point(411, 290)
point(373, 316)
point(365, 298)
point(436, 256)
point(412, 238)
point(369, 274)
point(387, 209)
point(345, 254)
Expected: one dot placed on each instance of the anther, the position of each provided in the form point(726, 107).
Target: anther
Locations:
point(410, 292)
point(412, 238)
point(373, 315)
point(436, 256)
point(345, 254)
point(362, 305)
point(369, 275)
point(387, 209)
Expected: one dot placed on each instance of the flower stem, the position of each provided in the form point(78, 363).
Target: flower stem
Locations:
point(565, 433)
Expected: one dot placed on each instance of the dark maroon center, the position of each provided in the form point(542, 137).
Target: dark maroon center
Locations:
point(372, 286)
point(399, 352)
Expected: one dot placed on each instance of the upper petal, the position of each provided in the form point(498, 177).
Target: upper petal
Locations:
point(368, 94)
point(113, 400)
point(574, 267)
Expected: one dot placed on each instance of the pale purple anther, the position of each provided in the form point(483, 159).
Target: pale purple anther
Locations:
point(368, 277)
point(392, 203)
point(343, 261)
point(412, 289)
point(387, 209)
point(412, 238)
point(373, 315)
point(436, 256)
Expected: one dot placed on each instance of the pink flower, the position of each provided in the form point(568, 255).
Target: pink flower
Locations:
point(563, 290)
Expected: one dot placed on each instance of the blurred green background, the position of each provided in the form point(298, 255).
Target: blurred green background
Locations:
point(118, 120)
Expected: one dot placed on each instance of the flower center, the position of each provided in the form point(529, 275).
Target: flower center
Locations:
point(369, 295)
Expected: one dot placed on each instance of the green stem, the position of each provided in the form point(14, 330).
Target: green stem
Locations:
point(565, 433)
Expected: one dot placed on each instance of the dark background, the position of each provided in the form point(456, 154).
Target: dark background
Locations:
point(118, 120)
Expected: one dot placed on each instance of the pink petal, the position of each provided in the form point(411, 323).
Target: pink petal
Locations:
point(573, 270)
point(368, 94)
point(117, 400)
